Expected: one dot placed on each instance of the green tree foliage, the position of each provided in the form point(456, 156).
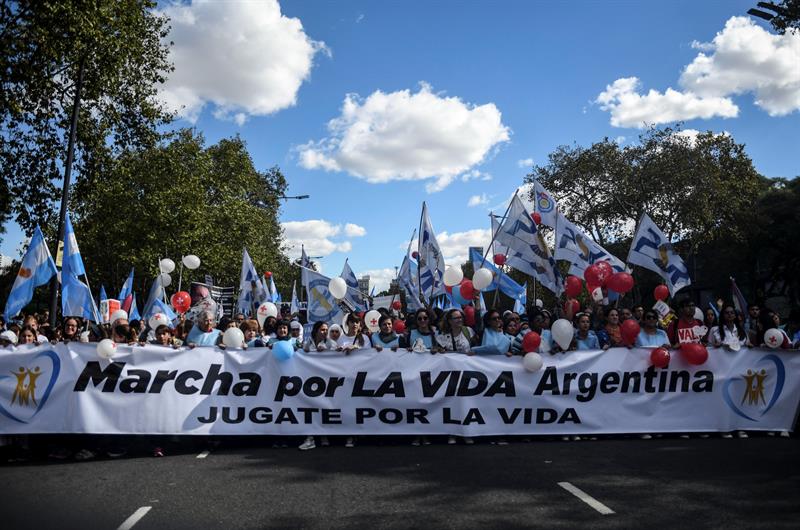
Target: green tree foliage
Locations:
point(180, 198)
point(120, 43)
point(695, 189)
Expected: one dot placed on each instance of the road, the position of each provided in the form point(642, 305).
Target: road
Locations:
point(245, 483)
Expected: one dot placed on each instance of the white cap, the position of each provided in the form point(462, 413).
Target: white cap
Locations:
point(118, 314)
point(9, 335)
point(294, 324)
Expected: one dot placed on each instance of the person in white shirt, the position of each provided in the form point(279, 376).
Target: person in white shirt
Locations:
point(729, 333)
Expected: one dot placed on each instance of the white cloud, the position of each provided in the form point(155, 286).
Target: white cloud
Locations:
point(628, 108)
point(742, 58)
point(477, 200)
point(317, 236)
point(353, 230)
point(691, 135)
point(380, 278)
point(245, 58)
point(476, 175)
point(525, 163)
point(620, 140)
point(407, 136)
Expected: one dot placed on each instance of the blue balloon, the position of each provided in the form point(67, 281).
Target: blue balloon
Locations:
point(283, 350)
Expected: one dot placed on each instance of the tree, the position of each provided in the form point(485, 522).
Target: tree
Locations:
point(786, 15)
point(179, 198)
point(694, 188)
point(120, 45)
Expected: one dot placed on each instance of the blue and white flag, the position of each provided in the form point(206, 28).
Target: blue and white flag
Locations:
point(251, 290)
point(407, 278)
point(304, 261)
point(295, 306)
point(156, 294)
point(37, 268)
point(127, 287)
point(103, 295)
point(579, 249)
point(507, 284)
point(76, 299)
point(521, 301)
point(431, 261)
point(321, 303)
point(497, 247)
point(545, 204)
point(353, 294)
point(160, 307)
point(134, 312)
point(652, 250)
point(274, 295)
point(527, 251)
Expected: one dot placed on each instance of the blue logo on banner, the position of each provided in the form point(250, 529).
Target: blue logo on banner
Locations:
point(753, 400)
point(26, 400)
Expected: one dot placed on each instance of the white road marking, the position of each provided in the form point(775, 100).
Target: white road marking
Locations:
point(204, 454)
point(588, 499)
point(134, 518)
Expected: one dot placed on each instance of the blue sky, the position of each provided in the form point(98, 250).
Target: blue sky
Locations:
point(453, 96)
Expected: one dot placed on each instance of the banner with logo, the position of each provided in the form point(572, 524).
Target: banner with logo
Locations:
point(155, 390)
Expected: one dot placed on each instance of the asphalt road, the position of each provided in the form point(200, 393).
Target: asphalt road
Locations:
point(245, 483)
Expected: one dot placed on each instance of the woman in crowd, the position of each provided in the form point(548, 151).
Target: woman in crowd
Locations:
point(585, 338)
point(164, 337)
point(282, 334)
point(204, 333)
point(71, 330)
point(767, 320)
point(319, 341)
point(252, 337)
point(335, 333)
point(270, 327)
point(612, 331)
point(27, 335)
point(710, 322)
point(650, 336)
point(421, 336)
point(511, 324)
point(385, 337)
point(493, 334)
point(354, 338)
point(453, 335)
point(730, 332)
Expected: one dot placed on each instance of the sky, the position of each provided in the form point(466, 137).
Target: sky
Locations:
point(372, 108)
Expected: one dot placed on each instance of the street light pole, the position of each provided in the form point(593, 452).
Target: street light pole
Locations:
point(65, 188)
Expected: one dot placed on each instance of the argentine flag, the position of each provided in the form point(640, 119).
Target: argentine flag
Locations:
point(37, 268)
point(76, 299)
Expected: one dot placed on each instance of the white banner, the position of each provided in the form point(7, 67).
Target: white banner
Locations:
point(156, 390)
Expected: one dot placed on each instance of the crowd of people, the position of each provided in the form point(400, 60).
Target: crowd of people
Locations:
point(425, 331)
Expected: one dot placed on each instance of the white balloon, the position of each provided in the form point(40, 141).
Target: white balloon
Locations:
point(167, 265)
point(106, 348)
point(266, 310)
point(371, 320)
point(119, 313)
point(562, 332)
point(773, 338)
point(166, 279)
point(698, 314)
point(157, 320)
point(191, 262)
point(453, 276)
point(233, 338)
point(539, 303)
point(338, 288)
point(482, 278)
point(532, 362)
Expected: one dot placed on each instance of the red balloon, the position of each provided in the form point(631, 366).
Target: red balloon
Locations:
point(694, 353)
point(499, 259)
point(621, 282)
point(572, 307)
point(467, 290)
point(181, 301)
point(592, 275)
point(629, 330)
point(659, 357)
point(399, 326)
point(268, 274)
point(536, 218)
point(396, 305)
point(661, 292)
point(606, 272)
point(573, 286)
point(469, 315)
point(531, 341)
point(415, 255)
